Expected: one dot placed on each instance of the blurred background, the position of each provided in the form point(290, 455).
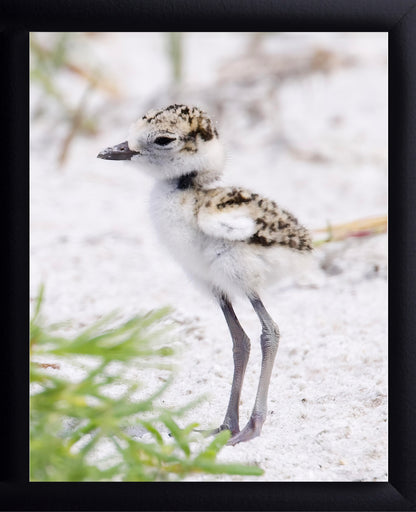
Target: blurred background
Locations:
point(303, 117)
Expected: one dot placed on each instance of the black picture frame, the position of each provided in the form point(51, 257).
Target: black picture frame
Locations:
point(398, 18)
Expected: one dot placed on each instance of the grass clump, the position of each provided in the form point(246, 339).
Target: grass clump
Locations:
point(79, 429)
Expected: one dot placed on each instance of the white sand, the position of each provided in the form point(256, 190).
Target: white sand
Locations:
point(317, 144)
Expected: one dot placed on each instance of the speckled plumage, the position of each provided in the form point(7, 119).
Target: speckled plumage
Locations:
point(191, 119)
point(274, 226)
point(228, 239)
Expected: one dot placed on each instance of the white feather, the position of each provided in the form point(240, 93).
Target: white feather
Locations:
point(231, 225)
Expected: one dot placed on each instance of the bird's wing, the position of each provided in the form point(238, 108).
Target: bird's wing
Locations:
point(231, 224)
point(237, 214)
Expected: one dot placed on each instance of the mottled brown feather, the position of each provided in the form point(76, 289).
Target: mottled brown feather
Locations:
point(275, 226)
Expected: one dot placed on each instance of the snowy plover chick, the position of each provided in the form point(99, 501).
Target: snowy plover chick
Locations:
point(228, 239)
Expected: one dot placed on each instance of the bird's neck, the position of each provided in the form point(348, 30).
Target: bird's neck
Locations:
point(186, 181)
point(195, 179)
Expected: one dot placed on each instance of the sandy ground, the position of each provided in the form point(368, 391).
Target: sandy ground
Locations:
point(312, 138)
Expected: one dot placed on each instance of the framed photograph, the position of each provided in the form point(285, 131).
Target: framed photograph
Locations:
point(222, 303)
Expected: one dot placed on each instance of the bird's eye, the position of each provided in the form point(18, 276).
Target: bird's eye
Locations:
point(163, 141)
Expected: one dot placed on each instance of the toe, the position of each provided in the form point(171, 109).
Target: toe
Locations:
point(208, 432)
point(214, 431)
point(250, 431)
point(244, 435)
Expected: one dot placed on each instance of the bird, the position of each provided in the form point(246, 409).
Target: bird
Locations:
point(229, 240)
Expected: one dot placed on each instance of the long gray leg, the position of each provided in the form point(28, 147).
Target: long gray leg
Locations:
point(269, 344)
point(241, 352)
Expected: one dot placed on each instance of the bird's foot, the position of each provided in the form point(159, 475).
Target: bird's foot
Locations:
point(250, 431)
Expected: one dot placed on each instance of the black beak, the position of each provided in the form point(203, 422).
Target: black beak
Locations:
point(119, 152)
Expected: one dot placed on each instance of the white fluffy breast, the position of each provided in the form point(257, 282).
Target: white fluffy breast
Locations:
point(210, 256)
point(173, 214)
point(212, 247)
